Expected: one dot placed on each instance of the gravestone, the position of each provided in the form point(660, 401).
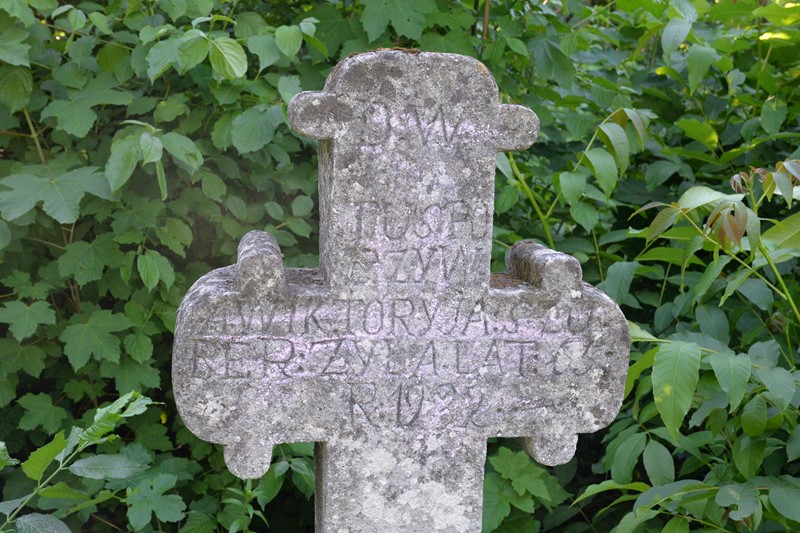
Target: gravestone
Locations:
point(401, 354)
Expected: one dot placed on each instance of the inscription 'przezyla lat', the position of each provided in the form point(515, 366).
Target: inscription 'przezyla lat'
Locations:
point(401, 354)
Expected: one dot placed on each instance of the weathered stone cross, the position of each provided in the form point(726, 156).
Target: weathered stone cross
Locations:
point(400, 355)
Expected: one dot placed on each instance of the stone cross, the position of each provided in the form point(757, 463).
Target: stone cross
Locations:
point(401, 354)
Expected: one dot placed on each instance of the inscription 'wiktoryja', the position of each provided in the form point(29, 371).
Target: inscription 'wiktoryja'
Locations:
point(401, 354)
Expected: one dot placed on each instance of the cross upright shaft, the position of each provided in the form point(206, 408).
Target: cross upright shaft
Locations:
point(397, 357)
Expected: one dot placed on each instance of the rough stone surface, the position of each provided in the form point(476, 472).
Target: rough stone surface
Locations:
point(400, 355)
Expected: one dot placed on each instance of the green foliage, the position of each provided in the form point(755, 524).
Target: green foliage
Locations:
point(139, 141)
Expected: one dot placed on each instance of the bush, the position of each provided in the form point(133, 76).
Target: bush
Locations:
point(139, 141)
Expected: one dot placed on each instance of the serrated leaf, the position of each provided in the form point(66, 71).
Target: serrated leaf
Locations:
point(495, 503)
point(228, 58)
point(59, 193)
point(24, 319)
point(12, 49)
point(252, 130)
point(149, 498)
point(732, 372)
point(39, 460)
point(40, 412)
point(94, 338)
point(85, 262)
point(407, 19)
point(603, 167)
point(675, 375)
point(29, 358)
point(16, 85)
point(585, 214)
point(40, 523)
point(130, 375)
point(289, 39)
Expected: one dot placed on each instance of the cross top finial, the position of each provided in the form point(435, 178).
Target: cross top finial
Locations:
point(407, 169)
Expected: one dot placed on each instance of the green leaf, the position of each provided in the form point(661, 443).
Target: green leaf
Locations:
point(12, 49)
point(675, 375)
point(700, 195)
point(699, 61)
point(585, 214)
point(29, 358)
point(288, 86)
point(275, 211)
point(793, 445)
point(742, 495)
point(618, 280)
point(784, 234)
point(61, 194)
point(610, 484)
point(677, 524)
point(780, 385)
point(626, 457)
point(302, 206)
point(658, 463)
point(40, 412)
point(183, 149)
point(148, 271)
point(62, 491)
point(675, 32)
point(784, 497)
point(748, 454)
point(125, 154)
point(130, 375)
point(252, 130)
point(269, 486)
point(106, 467)
point(572, 186)
point(192, 50)
point(40, 523)
point(754, 416)
point(149, 498)
point(773, 113)
point(732, 372)
point(86, 261)
point(265, 48)
point(16, 85)
point(711, 274)
point(151, 148)
point(94, 338)
point(289, 39)
point(604, 168)
point(617, 142)
point(228, 58)
point(407, 19)
point(161, 57)
point(24, 319)
point(495, 503)
point(39, 460)
point(701, 132)
point(138, 346)
point(5, 459)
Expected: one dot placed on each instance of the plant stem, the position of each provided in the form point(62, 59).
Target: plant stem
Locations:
point(35, 136)
point(532, 199)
